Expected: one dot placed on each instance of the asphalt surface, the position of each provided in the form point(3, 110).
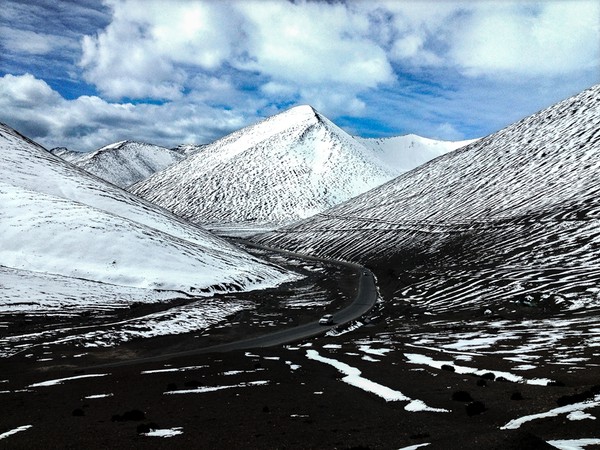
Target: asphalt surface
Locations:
point(365, 299)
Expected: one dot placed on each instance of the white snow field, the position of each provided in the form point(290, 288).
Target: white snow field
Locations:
point(123, 163)
point(404, 153)
point(284, 168)
point(64, 232)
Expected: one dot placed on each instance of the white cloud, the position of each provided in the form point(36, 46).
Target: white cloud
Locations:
point(500, 38)
point(311, 43)
point(149, 50)
point(31, 42)
point(146, 49)
point(544, 39)
point(88, 122)
point(406, 66)
point(24, 91)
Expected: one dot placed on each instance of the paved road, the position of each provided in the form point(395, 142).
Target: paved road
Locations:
point(365, 299)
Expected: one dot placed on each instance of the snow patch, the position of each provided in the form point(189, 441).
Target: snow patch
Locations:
point(353, 377)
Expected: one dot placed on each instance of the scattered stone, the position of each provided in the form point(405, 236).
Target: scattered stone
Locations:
point(575, 398)
point(516, 396)
point(133, 415)
point(462, 396)
point(419, 436)
point(475, 408)
point(146, 427)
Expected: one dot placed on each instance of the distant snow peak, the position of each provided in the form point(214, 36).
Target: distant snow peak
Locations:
point(123, 163)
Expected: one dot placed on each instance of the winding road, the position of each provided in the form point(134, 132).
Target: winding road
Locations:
point(365, 299)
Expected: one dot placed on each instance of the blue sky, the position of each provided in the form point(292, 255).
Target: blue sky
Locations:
point(85, 73)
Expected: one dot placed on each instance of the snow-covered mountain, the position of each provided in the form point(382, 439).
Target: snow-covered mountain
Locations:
point(515, 213)
point(66, 154)
point(404, 153)
point(188, 149)
point(59, 220)
point(281, 169)
point(123, 163)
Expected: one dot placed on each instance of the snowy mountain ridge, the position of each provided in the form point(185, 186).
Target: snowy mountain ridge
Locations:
point(404, 153)
point(123, 163)
point(58, 219)
point(284, 168)
point(516, 213)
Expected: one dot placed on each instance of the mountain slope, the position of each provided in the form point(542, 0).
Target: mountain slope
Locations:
point(404, 153)
point(286, 167)
point(513, 215)
point(58, 219)
point(123, 163)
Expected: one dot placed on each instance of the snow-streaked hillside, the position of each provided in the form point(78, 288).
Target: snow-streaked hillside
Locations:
point(404, 153)
point(287, 167)
point(188, 149)
point(123, 163)
point(58, 219)
point(66, 154)
point(511, 216)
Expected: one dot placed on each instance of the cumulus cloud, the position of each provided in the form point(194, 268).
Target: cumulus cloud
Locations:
point(144, 50)
point(551, 38)
point(187, 70)
point(31, 42)
point(312, 43)
point(32, 107)
point(149, 51)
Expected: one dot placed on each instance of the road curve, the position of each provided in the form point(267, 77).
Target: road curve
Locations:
point(365, 299)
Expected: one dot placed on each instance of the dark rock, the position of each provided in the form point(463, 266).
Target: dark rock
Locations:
point(574, 398)
point(448, 367)
point(488, 376)
point(462, 396)
point(524, 440)
point(475, 408)
point(171, 386)
point(419, 436)
point(146, 427)
point(516, 396)
point(134, 414)
point(556, 383)
point(78, 412)
point(192, 384)
point(481, 382)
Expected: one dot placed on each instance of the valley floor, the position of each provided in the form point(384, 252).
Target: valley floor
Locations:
point(403, 378)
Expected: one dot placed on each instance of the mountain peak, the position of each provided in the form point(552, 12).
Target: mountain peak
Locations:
point(295, 164)
point(303, 110)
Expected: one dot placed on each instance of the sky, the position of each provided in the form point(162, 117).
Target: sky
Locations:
point(86, 73)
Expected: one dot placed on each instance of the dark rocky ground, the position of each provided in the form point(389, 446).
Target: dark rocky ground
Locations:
point(310, 406)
